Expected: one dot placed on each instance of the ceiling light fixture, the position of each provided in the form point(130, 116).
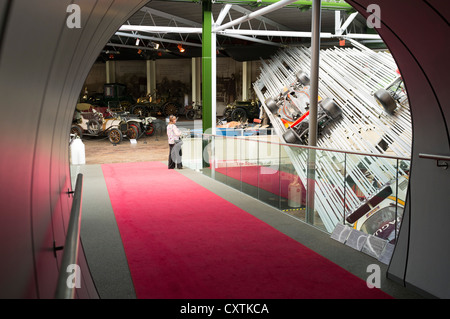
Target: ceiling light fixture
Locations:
point(153, 45)
point(137, 41)
point(180, 47)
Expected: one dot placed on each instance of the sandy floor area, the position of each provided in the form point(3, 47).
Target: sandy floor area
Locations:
point(147, 148)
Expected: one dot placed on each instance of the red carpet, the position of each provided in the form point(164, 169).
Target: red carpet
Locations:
point(183, 241)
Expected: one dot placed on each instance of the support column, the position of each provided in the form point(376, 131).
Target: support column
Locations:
point(208, 81)
point(110, 71)
point(314, 95)
point(151, 76)
point(207, 72)
point(246, 79)
point(193, 79)
point(196, 80)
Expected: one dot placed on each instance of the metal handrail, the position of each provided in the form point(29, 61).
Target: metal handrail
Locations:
point(435, 157)
point(322, 149)
point(72, 243)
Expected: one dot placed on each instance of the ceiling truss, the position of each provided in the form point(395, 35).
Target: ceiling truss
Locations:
point(251, 26)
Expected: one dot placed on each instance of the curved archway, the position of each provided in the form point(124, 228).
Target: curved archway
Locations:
point(415, 32)
point(43, 64)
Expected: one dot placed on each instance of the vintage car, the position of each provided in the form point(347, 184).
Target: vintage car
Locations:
point(153, 104)
point(193, 111)
point(114, 96)
point(241, 111)
point(92, 122)
point(137, 125)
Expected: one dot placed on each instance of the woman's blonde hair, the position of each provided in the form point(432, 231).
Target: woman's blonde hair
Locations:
point(172, 117)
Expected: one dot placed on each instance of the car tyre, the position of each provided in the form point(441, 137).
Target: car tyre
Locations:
point(93, 126)
point(272, 105)
point(77, 131)
point(291, 137)
point(138, 109)
point(115, 136)
point(239, 115)
point(385, 99)
point(190, 114)
point(170, 109)
point(331, 108)
point(150, 130)
point(303, 78)
point(132, 132)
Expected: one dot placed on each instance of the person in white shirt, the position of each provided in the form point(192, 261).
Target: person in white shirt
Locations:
point(173, 136)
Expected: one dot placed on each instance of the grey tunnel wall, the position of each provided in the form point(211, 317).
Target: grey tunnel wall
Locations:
point(43, 65)
point(415, 31)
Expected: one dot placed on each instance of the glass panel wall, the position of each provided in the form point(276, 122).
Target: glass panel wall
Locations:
point(269, 173)
point(318, 186)
point(293, 182)
point(249, 166)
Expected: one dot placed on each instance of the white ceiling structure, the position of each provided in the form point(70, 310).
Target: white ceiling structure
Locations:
point(244, 31)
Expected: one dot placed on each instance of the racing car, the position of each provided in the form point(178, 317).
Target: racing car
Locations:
point(292, 107)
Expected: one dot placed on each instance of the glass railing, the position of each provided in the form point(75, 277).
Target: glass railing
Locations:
point(362, 191)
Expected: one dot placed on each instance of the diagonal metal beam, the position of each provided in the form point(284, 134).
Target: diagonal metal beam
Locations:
point(145, 37)
point(252, 39)
point(273, 33)
point(223, 13)
point(347, 22)
point(159, 29)
point(255, 14)
point(155, 29)
point(261, 18)
point(242, 32)
point(171, 17)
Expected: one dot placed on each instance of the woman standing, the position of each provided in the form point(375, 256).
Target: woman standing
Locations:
point(173, 136)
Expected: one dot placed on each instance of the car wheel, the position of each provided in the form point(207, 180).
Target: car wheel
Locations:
point(93, 127)
point(77, 131)
point(239, 115)
point(303, 78)
point(115, 135)
point(385, 99)
point(272, 105)
point(139, 110)
point(132, 132)
point(291, 137)
point(137, 126)
point(331, 108)
point(126, 105)
point(190, 114)
point(150, 130)
point(170, 109)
